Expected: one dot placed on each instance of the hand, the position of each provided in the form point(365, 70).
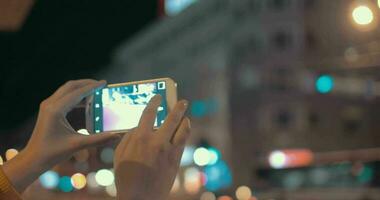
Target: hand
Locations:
point(53, 139)
point(146, 161)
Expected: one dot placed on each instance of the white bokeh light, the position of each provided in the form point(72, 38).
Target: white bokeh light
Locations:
point(362, 15)
point(243, 193)
point(277, 159)
point(104, 177)
point(201, 156)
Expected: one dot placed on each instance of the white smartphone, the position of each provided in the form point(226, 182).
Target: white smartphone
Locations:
point(118, 107)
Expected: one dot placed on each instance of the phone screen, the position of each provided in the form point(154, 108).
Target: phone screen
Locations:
point(120, 107)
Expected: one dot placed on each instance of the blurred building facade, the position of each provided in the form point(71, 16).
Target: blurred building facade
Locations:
point(259, 61)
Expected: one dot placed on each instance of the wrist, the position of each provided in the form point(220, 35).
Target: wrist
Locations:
point(24, 169)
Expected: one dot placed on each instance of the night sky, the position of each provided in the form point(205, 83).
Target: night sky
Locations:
point(62, 40)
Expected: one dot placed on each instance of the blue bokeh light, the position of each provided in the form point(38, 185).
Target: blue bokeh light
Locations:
point(174, 7)
point(324, 84)
point(65, 184)
point(49, 179)
point(201, 108)
point(215, 155)
point(218, 176)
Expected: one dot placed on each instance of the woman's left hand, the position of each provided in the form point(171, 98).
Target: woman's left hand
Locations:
point(53, 139)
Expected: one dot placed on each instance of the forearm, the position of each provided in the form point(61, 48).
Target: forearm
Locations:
point(23, 170)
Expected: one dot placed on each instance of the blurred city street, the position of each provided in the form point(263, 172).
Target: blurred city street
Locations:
point(284, 94)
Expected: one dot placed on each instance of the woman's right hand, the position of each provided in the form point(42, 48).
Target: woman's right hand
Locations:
point(147, 161)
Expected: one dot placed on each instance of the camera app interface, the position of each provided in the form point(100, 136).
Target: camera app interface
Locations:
point(120, 108)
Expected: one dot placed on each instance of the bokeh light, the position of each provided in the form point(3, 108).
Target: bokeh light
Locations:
point(219, 176)
point(1, 160)
point(65, 184)
point(111, 190)
point(104, 177)
point(277, 159)
point(214, 155)
point(10, 153)
point(192, 181)
point(201, 156)
point(378, 3)
point(49, 179)
point(324, 84)
point(198, 108)
point(78, 181)
point(207, 196)
point(91, 181)
point(106, 155)
point(83, 131)
point(243, 193)
point(362, 15)
point(187, 156)
point(225, 197)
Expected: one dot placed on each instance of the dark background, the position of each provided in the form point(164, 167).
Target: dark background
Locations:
point(60, 41)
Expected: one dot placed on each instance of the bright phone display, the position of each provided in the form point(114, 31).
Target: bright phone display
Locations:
point(120, 107)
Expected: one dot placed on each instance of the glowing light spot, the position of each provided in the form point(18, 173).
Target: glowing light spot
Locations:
point(208, 196)
point(277, 159)
point(83, 131)
point(201, 156)
point(91, 181)
point(104, 177)
point(362, 15)
point(378, 3)
point(49, 179)
point(192, 180)
point(243, 193)
point(218, 176)
point(214, 155)
point(65, 184)
point(10, 153)
point(174, 7)
point(187, 156)
point(107, 155)
point(224, 198)
point(111, 190)
point(1, 160)
point(78, 181)
point(325, 84)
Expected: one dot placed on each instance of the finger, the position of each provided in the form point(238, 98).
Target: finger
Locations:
point(183, 133)
point(97, 139)
point(124, 141)
point(70, 86)
point(68, 102)
point(148, 117)
point(173, 120)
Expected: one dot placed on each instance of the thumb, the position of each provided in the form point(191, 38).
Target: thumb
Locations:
point(98, 139)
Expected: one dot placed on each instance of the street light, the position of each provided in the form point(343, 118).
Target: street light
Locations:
point(363, 15)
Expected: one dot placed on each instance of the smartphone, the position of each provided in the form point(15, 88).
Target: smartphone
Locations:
point(118, 107)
